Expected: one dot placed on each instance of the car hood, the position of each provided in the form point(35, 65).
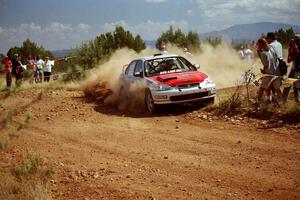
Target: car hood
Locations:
point(174, 79)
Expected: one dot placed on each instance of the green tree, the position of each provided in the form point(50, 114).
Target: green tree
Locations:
point(193, 40)
point(213, 41)
point(94, 51)
point(139, 44)
point(27, 49)
point(284, 36)
point(190, 40)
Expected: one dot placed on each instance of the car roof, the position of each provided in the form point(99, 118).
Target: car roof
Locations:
point(157, 56)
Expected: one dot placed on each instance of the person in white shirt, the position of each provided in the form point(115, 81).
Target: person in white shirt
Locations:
point(248, 56)
point(47, 69)
point(163, 49)
point(38, 69)
point(241, 52)
point(276, 47)
point(271, 38)
point(187, 53)
point(270, 82)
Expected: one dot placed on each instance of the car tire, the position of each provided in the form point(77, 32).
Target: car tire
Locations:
point(151, 107)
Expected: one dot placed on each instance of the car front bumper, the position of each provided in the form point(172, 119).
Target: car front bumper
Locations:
point(176, 95)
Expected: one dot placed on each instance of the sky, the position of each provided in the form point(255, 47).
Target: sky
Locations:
point(64, 24)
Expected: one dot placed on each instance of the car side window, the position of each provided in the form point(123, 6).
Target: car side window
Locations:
point(130, 68)
point(139, 66)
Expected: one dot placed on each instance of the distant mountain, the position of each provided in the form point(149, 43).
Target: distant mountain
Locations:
point(248, 31)
point(150, 43)
point(61, 53)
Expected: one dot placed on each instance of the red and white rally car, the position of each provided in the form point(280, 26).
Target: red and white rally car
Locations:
point(169, 79)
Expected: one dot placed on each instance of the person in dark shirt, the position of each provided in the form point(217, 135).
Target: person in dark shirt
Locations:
point(17, 69)
point(294, 58)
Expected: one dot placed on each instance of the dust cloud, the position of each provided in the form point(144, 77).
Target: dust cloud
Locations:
point(222, 64)
point(103, 83)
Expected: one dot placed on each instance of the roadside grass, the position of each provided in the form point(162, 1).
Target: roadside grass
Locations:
point(52, 85)
point(229, 105)
point(292, 108)
point(28, 179)
point(8, 116)
point(15, 131)
point(236, 103)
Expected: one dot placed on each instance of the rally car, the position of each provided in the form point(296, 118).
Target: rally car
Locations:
point(169, 79)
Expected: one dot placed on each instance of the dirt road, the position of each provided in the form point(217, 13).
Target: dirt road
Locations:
point(101, 153)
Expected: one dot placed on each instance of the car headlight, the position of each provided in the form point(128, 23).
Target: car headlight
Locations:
point(160, 87)
point(207, 81)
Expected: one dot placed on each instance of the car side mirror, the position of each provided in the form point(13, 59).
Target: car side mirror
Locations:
point(138, 74)
point(197, 66)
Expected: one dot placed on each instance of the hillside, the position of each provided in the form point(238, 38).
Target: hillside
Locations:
point(61, 53)
point(248, 31)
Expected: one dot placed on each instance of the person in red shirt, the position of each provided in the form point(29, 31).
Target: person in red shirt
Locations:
point(7, 69)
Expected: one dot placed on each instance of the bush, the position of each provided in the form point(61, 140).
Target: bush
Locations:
point(28, 180)
point(230, 106)
point(190, 40)
point(32, 168)
point(94, 51)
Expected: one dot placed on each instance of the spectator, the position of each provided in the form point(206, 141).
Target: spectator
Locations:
point(248, 55)
point(39, 68)
point(17, 69)
point(163, 49)
point(187, 53)
point(31, 63)
point(271, 38)
point(270, 69)
point(7, 65)
point(294, 58)
point(47, 69)
point(241, 52)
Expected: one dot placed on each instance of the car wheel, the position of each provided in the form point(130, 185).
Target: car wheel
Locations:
point(150, 106)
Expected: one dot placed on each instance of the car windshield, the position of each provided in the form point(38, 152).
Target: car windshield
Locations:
point(167, 65)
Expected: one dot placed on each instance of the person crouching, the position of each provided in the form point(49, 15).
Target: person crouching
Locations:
point(271, 79)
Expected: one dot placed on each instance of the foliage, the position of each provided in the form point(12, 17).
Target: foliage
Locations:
point(27, 49)
point(283, 36)
point(213, 41)
point(94, 51)
point(230, 106)
point(32, 166)
point(28, 179)
point(190, 40)
point(1, 61)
